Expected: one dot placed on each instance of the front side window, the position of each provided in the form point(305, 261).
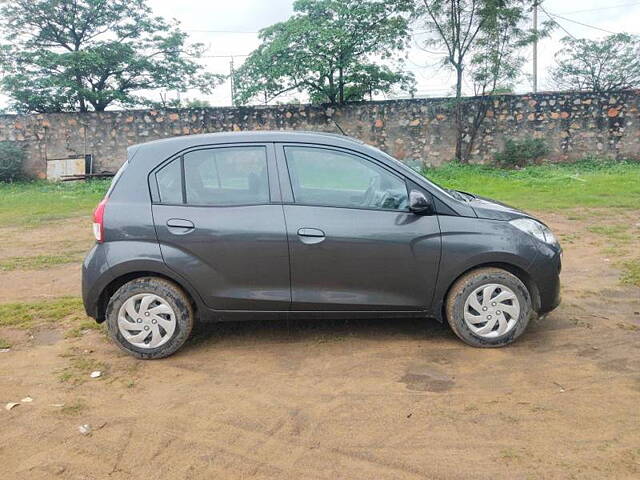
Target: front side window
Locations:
point(338, 179)
point(226, 176)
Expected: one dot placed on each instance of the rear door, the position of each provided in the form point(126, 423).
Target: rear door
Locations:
point(354, 245)
point(220, 224)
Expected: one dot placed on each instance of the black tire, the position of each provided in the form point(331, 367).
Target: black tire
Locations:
point(469, 282)
point(168, 291)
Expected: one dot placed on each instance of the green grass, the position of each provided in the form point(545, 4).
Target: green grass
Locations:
point(4, 344)
point(38, 262)
point(80, 365)
point(83, 327)
point(586, 183)
point(34, 203)
point(612, 232)
point(631, 272)
point(618, 238)
point(509, 454)
point(74, 408)
point(30, 314)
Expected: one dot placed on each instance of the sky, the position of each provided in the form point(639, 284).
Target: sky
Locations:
point(229, 28)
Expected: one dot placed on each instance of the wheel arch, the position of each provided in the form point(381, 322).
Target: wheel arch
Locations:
point(515, 270)
point(108, 291)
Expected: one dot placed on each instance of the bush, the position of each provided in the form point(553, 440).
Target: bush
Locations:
point(11, 158)
point(522, 153)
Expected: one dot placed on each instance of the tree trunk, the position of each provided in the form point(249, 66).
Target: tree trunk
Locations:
point(341, 85)
point(458, 115)
point(332, 90)
point(478, 120)
point(458, 81)
point(81, 99)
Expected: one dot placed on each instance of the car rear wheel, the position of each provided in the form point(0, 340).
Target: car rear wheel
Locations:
point(488, 307)
point(150, 317)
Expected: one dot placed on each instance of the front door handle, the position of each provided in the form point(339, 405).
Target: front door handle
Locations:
point(180, 225)
point(311, 232)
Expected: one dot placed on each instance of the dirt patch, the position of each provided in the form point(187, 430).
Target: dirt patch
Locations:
point(69, 237)
point(52, 238)
point(46, 337)
point(27, 285)
point(384, 399)
point(426, 379)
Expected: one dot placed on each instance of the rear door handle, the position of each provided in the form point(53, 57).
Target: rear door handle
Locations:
point(311, 236)
point(311, 232)
point(180, 224)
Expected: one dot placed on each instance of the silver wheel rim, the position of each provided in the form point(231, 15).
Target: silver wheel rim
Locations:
point(146, 321)
point(491, 310)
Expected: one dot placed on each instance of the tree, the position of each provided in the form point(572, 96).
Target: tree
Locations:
point(78, 55)
point(336, 51)
point(11, 160)
point(606, 65)
point(495, 65)
point(481, 37)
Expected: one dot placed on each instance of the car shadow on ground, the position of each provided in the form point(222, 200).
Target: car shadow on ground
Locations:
point(315, 331)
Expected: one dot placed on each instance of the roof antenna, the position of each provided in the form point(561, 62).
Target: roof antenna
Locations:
point(339, 127)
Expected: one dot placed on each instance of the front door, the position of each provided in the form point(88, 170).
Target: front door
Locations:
point(219, 224)
point(354, 245)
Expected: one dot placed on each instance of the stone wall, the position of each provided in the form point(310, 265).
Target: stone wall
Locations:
point(419, 132)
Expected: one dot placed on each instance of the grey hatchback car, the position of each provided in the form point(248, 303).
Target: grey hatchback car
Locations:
point(279, 225)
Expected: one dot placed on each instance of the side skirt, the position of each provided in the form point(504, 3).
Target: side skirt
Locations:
point(247, 315)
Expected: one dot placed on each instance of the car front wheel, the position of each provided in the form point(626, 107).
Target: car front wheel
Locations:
point(150, 318)
point(488, 307)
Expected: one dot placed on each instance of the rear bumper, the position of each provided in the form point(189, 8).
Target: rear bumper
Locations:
point(94, 278)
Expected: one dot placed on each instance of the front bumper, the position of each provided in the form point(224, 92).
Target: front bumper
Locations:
point(545, 272)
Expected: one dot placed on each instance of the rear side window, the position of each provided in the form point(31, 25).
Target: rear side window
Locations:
point(226, 176)
point(170, 183)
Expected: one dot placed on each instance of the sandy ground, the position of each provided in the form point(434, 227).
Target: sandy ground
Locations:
point(73, 235)
point(337, 400)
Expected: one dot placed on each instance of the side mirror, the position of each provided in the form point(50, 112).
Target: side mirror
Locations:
point(419, 203)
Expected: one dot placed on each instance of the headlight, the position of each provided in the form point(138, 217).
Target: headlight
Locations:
point(532, 227)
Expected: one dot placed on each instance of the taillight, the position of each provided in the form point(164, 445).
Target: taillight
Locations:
point(98, 221)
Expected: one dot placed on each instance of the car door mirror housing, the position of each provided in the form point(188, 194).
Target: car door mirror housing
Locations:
point(419, 203)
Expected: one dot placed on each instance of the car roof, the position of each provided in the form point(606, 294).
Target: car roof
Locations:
point(158, 150)
point(251, 136)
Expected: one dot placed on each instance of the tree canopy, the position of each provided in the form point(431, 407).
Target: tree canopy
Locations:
point(606, 65)
point(81, 55)
point(336, 51)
